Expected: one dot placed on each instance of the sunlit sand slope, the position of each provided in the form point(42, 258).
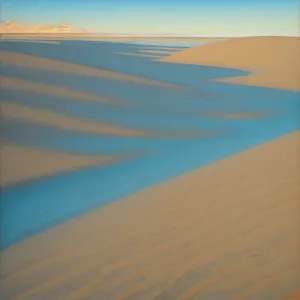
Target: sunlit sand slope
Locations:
point(273, 61)
point(39, 116)
point(293, 296)
point(18, 93)
point(18, 84)
point(226, 231)
point(20, 163)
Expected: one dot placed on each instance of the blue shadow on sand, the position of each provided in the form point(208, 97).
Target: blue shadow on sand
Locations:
point(30, 207)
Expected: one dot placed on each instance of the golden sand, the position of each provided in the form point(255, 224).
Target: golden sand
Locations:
point(45, 117)
point(293, 296)
point(59, 120)
point(21, 163)
point(274, 62)
point(35, 41)
point(13, 83)
point(229, 230)
point(24, 60)
point(14, 28)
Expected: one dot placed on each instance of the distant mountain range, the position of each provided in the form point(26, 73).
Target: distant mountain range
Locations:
point(13, 28)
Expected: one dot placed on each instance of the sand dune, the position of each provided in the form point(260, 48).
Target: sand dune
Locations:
point(293, 296)
point(225, 231)
point(45, 117)
point(40, 116)
point(273, 61)
point(35, 41)
point(24, 60)
point(20, 163)
point(12, 27)
point(13, 83)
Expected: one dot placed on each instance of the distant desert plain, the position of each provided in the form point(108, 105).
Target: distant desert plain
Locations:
point(12, 27)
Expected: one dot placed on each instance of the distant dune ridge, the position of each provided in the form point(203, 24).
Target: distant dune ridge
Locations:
point(274, 62)
point(13, 27)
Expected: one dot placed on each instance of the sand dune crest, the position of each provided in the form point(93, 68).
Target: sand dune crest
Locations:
point(21, 163)
point(273, 61)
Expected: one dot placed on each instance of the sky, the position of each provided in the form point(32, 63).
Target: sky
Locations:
point(163, 17)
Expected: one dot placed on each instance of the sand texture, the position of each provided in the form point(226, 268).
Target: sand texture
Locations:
point(13, 83)
point(293, 296)
point(59, 120)
point(21, 163)
point(273, 62)
point(30, 61)
point(39, 116)
point(229, 230)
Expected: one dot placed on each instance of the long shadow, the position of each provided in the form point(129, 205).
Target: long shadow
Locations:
point(213, 94)
point(136, 118)
point(101, 55)
point(31, 208)
point(35, 206)
point(74, 142)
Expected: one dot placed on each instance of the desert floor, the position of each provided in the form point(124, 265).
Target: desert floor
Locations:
point(228, 230)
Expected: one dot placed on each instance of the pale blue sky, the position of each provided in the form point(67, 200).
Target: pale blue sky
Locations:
point(192, 17)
